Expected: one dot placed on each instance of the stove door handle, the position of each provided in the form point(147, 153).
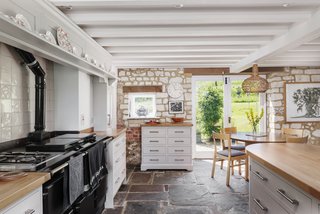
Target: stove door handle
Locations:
point(55, 170)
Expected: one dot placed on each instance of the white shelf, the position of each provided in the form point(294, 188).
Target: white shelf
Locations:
point(24, 39)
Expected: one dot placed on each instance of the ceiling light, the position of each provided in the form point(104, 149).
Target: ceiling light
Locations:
point(68, 7)
point(178, 6)
point(285, 5)
point(255, 83)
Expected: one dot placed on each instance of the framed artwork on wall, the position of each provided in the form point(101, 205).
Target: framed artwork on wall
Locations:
point(302, 102)
point(176, 107)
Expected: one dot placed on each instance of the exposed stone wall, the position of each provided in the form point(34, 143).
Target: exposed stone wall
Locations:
point(275, 100)
point(149, 77)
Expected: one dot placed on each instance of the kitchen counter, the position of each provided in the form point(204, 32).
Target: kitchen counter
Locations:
point(11, 191)
point(168, 124)
point(297, 163)
point(111, 132)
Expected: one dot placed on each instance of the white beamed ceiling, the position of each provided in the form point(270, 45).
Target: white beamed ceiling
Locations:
point(202, 33)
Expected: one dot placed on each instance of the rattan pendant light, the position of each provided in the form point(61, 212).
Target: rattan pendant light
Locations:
point(255, 83)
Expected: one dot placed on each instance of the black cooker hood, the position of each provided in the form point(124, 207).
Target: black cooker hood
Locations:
point(39, 133)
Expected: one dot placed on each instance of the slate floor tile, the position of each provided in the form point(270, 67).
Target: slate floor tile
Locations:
point(160, 196)
point(117, 210)
point(141, 178)
point(146, 188)
point(174, 177)
point(143, 208)
point(188, 210)
point(232, 203)
point(119, 199)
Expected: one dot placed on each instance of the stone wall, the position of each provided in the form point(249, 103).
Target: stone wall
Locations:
point(149, 77)
point(275, 100)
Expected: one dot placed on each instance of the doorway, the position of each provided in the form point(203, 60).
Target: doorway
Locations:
point(220, 99)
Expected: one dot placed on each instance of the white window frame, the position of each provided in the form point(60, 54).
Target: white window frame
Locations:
point(132, 111)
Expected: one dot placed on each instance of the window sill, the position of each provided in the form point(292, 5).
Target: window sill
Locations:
point(143, 118)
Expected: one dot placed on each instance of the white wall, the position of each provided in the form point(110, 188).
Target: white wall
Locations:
point(85, 101)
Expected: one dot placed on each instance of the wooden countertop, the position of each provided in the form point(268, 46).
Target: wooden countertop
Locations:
point(111, 132)
point(11, 191)
point(297, 163)
point(168, 124)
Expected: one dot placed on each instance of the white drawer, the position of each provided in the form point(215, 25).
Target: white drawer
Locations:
point(154, 141)
point(119, 158)
point(154, 159)
point(179, 141)
point(153, 150)
point(260, 200)
point(288, 196)
point(119, 145)
point(179, 132)
point(179, 159)
point(154, 132)
point(179, 150)
point(31, 203)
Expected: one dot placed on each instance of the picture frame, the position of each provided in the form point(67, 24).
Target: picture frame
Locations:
point(176, 107)
point(302, 102)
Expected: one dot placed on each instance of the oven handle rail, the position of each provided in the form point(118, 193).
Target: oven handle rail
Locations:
point(55, 170)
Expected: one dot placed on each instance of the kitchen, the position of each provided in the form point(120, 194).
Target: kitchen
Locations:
point(98, 60)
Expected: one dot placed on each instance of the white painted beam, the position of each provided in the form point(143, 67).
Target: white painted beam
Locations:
point(239, 40)
point(182, 17)
point(180, 54)
point(305, 47)
point(297, 35)
point(186, 31)
point(182, 49)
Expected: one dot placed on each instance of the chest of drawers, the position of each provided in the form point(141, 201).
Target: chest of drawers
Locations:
point(166, 147)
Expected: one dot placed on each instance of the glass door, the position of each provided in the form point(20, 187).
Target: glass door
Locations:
point(218, 102)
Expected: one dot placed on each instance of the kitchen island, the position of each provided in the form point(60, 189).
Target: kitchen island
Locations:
point(284, 178)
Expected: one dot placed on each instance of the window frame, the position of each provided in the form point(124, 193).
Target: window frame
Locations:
point(132, 111)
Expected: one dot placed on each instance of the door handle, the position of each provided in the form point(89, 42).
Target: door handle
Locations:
point(109, 119)
point(229, 120)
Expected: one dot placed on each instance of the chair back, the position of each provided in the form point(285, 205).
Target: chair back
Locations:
point(230, 130)
point(224, 140)
point(292, 132)
point(291, 139)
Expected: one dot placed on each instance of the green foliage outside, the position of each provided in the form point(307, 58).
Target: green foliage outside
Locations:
point(209, 109)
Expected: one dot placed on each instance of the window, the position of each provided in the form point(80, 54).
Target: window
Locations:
point(142, 105)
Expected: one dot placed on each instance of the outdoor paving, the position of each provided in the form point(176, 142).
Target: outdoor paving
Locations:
point(182, 192)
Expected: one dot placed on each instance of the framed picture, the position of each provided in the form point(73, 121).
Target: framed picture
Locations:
point(176, 107)
point(302, 102)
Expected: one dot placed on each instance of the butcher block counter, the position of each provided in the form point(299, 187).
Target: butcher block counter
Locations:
point(11, 191)
point(167, 124)
point(111, 132)
point(287, 174)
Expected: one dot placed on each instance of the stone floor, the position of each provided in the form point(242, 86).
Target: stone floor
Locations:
point(160, 192)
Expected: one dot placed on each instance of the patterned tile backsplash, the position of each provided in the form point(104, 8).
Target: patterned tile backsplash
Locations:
point(17, 95)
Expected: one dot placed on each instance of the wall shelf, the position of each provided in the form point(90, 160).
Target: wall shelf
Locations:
point(24, 39)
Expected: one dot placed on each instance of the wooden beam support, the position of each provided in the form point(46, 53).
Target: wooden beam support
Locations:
point(137, 89)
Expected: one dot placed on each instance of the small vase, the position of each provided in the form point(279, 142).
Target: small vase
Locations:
point(254, 129)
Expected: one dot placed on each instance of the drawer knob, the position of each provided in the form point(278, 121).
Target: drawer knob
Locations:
point(154, 150)
point(178, 141)
point(283, 194)
point(257, 201)
point(154, 141)
point(178, 159)
point(153, 132)
point(179, 132)
point(30, 211)
point(154, 159)
point(179, 150)
point(259, 175)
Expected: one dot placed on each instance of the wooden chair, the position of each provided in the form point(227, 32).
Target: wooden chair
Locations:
point(290, 139)
point(231, 130)
point(292, 132)
point(229, 155)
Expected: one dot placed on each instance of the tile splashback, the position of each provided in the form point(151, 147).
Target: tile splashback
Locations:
point(17, 96)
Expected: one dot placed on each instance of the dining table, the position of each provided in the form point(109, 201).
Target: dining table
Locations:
point(250, 138)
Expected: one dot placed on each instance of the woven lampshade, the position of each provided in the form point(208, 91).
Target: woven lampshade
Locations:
point(255, 83)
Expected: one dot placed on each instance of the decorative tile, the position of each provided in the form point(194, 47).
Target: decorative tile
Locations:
point(5, 70)
point(6, 133)
point(6, 106)
point(6, 91)
point(5, 119)
point(16, 106)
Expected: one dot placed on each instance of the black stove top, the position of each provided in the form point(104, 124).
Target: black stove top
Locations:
point(77, 136)
point(55, 145)
point(26, 161)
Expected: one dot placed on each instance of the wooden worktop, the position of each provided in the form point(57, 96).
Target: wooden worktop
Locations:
point(169, 124)
point(11, 191)
point(111, 132)
point(297, 163)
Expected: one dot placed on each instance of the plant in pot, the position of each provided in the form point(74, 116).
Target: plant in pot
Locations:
point(254, 119)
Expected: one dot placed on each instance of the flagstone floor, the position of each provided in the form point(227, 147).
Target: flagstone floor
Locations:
point(182, 192)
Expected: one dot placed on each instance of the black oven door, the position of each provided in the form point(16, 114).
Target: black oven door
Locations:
point(55, 192)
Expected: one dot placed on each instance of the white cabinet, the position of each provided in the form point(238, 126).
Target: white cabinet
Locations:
point(116, 165)
point(166, 147)
point(273, 194)
point(29, 204)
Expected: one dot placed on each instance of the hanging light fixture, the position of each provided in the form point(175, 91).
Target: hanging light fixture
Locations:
point(255, 83)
